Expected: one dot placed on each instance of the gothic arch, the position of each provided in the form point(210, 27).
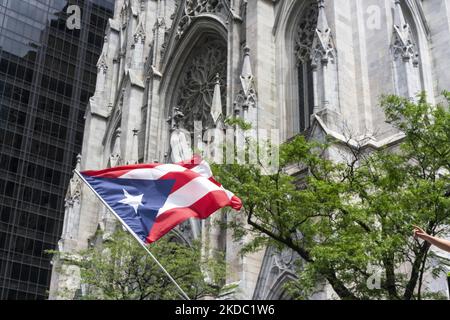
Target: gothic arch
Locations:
point(192, 65)
point(178, 236)
point(177, 44)
point(304, 35)
point(113, 125)
point(195, 86)
point(277, 269)
point(113, 133)
point(278, 290)
point(291, 16)
point(205, 28)
point(114, 147)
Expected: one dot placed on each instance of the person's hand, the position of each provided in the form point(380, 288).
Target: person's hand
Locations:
point(419, 233)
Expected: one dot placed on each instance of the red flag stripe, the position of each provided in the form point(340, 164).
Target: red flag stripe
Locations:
point(181, 178)
point(201, 209)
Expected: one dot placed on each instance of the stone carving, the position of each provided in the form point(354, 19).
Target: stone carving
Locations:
point(278, 268)
point(185, 230)
point(314, 49)
point(118, 109)
point(142, 5)
point(124, 14)
point(193, 8)
point(405, 56)
point(180, 138)
point(102, 65)
point(313, 41)
point(74, 190)
point(246, 97)
point(196, 88)
point(216, 108)
point(160, 23)
point(285, 260)
point(323, 49)
point(403, 44)
point(190, 10)
point(115, 158)
point(139, 33)
point(72, 207)
point(305, 33)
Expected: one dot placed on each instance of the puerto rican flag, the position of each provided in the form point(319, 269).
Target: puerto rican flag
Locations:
point(154, 198)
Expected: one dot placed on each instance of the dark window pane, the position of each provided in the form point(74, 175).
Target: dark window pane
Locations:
point(5, 213)
point(9, 190)
point(43, 277)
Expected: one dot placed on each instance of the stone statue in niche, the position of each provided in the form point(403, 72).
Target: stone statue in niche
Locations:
point(180, 138)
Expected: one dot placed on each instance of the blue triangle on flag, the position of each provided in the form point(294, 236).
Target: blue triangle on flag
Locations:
point(136, 201)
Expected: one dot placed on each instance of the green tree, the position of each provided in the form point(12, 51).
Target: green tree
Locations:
point(347, 218)
point(120, 269)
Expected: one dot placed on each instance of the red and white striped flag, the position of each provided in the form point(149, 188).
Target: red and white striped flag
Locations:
point(154, 198)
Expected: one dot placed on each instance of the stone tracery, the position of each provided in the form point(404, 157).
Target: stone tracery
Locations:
point(196, 88)
point(403, 44)
point(305, 33)
point(193, 8)
point(278, 268)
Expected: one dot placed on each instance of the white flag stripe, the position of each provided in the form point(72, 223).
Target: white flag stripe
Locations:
point(152, 173)
point(229, 193)
point(188, 194)
point(203, 169)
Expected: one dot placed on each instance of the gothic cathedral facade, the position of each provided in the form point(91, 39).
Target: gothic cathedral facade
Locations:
point(315, 67)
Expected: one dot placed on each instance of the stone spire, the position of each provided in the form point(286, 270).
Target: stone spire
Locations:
point(139, 34)
point(74, 190)
point(245, 103)
point(322, 22)
point(323, 63)
point(403, 42)
point(102, 69)
point(137, 58)
point(323, 47)
point(246, 74)
point(247, 95)
point(72, 208)
point(124, 13)
point(78, 165)
point(102, 64)
point(117, 8)
point(216, 106)
point(399, 18)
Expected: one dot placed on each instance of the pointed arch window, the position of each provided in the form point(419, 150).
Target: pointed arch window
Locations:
point(305, 94)
point(195, 89)
point(304, 38)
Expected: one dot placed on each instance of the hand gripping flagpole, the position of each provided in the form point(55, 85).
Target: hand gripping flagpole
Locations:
point(185, 296)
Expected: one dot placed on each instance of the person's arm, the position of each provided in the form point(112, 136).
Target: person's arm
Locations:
point(438, 242)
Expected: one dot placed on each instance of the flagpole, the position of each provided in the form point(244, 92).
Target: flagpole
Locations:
point(185, 296)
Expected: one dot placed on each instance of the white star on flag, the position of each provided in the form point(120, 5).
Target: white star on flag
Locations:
point(133, 201)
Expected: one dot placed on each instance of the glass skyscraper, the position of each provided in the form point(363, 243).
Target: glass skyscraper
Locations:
point(47, 74)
